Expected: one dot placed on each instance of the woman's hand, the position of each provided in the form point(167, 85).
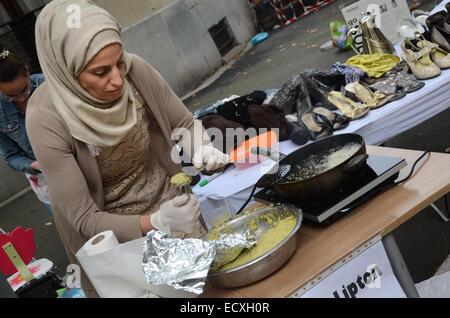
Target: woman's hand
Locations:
point(209, 158)
point(35, 166)
point(180, 214)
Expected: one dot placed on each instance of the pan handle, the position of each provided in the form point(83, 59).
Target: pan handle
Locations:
point(356, 163)
point(269, 153)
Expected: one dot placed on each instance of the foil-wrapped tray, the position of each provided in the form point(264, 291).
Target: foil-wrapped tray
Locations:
point(184, 263)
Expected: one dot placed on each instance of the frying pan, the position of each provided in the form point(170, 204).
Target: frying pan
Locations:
point(325, 184)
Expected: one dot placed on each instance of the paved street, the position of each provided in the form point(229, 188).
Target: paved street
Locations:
point(424, 240)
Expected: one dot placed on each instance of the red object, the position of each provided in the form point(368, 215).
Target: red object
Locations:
point(23, 242)
point(242, 156)
point(265, 140)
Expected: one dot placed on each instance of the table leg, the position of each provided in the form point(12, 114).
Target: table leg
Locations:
point(441, 214)
point(399, 267)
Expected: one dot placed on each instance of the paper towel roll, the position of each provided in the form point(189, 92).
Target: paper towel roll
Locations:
point(100, 243)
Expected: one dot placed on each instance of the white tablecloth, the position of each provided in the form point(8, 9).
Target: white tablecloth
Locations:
point(229, 191)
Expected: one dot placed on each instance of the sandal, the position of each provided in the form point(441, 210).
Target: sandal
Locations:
point(366, 96)
point(316, 129)
point(440, 57)
point(348, 107)
point(336, 121)
point(398, 95)
point(397, 82)
point(406, 81)
point(382, 87)
point(420, 62)
point(386, 84)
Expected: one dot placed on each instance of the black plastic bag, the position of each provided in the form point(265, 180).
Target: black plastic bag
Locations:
point(286, 97)
point(307, 90)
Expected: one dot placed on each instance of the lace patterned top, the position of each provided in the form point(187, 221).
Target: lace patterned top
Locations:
point(134, 182)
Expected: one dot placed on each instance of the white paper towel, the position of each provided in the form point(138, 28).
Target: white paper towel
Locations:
point(100, 243)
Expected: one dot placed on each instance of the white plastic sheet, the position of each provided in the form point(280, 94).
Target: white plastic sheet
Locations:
point(117, 273)
point(436, 287)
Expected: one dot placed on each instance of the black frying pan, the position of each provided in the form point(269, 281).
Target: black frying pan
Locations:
point(321, 185)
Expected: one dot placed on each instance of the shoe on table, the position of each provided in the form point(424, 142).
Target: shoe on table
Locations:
point(439, 56)
point(365, 95)
point(420, 62)
point(441, 36)
point(348, 107)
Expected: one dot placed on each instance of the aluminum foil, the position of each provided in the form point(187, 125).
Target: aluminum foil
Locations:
point(184, 263)
point(180, 263)
point(229, 247)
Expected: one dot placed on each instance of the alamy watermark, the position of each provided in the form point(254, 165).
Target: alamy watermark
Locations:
point(233, 138)
point(73, 21)
point(73, 276)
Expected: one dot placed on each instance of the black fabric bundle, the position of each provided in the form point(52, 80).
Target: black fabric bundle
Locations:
point(300, 94)
point(247, 112)
point(218, 122)
point(269, 117)
point(237, 109)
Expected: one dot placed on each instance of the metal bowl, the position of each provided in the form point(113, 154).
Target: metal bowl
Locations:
point(265, 264)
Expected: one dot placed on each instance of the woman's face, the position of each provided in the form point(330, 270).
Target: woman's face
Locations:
point(17, 90)
point(103, 76)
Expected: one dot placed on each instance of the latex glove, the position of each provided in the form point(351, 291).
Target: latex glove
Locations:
point(180, 214)
point(209, 158)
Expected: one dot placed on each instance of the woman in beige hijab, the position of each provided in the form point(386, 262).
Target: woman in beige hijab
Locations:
point(101, 128)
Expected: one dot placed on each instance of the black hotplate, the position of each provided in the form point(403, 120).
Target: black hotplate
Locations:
point(378, 175)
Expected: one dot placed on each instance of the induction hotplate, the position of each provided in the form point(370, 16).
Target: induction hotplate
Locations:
point(376, 176)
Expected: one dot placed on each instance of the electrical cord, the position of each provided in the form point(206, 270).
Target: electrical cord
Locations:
point(412, 169)
point(248, 200)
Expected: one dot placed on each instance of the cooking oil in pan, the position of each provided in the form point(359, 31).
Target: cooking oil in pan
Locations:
point(319, 163)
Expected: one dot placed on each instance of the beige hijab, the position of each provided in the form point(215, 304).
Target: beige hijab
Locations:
point(64, 48)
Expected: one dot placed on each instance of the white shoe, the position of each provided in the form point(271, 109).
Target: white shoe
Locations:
point(440, 57)
point(419, 62)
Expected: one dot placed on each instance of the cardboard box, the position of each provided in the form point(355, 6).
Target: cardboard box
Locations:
point(389, 13)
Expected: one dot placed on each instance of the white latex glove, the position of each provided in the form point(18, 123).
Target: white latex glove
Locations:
point(180, 214)
point(209, 158)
